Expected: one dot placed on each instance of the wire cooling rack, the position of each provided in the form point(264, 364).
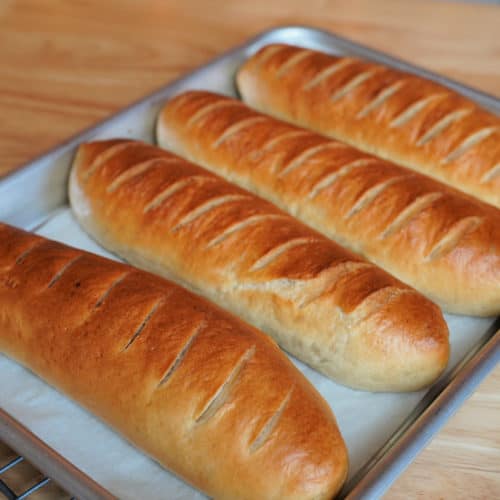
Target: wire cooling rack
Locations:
point(20, 475)
point(34, 483)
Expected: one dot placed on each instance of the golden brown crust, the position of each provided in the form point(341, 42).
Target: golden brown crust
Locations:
point(398, 116)
point(444, 243)
point(208, 396)
point(338, 313)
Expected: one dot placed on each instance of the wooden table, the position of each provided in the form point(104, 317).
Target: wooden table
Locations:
point(66, 65)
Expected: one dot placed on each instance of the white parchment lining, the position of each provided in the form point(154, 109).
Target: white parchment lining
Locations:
point(366, 420)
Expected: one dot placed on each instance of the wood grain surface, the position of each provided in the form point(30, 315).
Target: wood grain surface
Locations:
point(67, 65)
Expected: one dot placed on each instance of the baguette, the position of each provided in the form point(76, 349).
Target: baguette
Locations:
point(438, 240)
point(208, 396)
point(330, 308)
point(399, 116)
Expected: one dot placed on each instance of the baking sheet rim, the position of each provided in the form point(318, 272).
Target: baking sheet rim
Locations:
point(434, 409)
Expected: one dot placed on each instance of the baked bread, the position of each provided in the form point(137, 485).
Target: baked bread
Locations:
point(208, 396)
point(440, 241)
point(398, 116)
point(338, 313)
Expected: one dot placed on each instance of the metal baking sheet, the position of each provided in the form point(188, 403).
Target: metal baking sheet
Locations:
point(35, 198)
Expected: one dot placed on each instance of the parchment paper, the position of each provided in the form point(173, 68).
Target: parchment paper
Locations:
point(366, 420)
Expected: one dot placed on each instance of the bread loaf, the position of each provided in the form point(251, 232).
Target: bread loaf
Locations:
point(330, 308)
point(442, 242)
point(398, 116)
point(208, 396)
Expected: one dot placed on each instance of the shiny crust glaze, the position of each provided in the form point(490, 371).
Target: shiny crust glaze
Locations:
point(442, 242)
point(330, 308)
point(211, 398)
point(399, 116)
